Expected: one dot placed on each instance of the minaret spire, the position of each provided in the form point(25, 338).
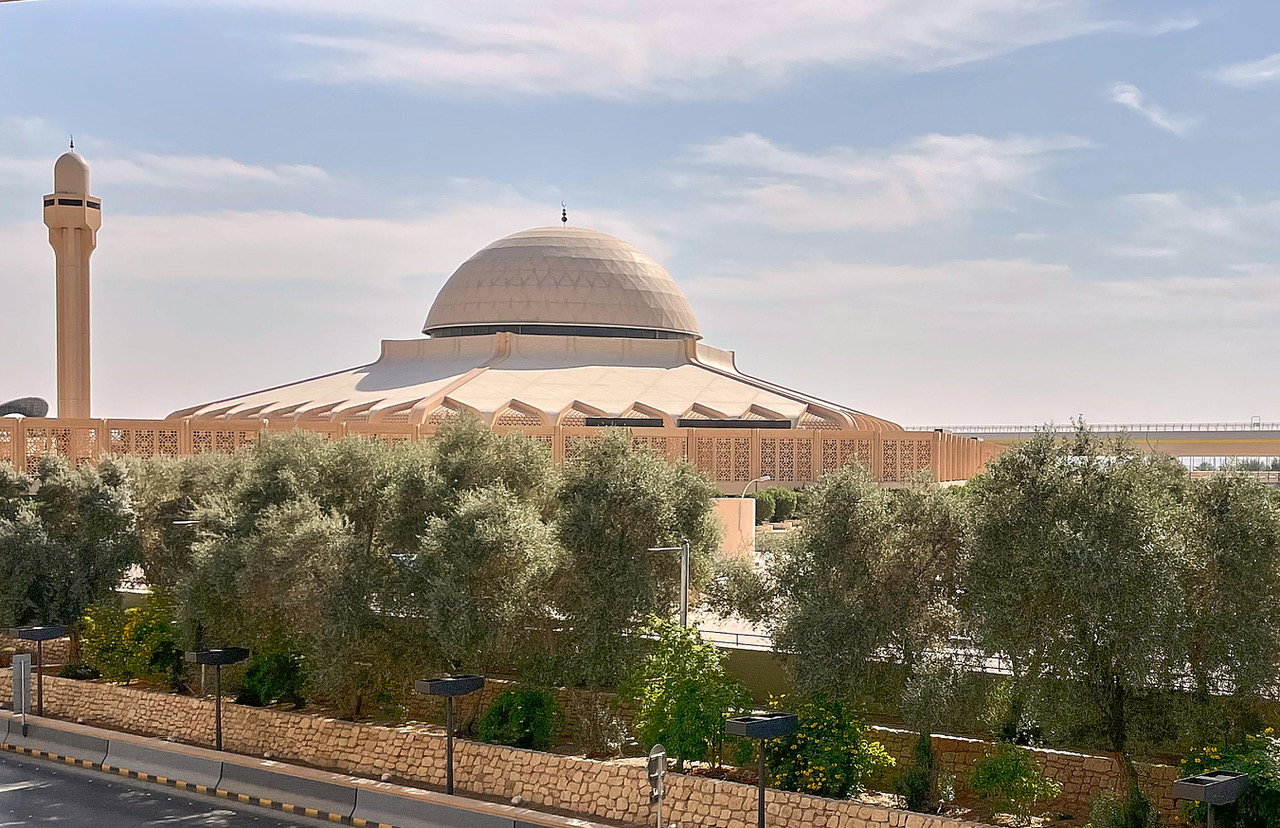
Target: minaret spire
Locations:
point(73, 217)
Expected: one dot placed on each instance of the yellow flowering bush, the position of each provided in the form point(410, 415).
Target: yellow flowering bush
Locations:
point(1259, 757)
point(829, 754)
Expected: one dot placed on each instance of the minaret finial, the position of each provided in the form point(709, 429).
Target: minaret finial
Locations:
point(564, 213)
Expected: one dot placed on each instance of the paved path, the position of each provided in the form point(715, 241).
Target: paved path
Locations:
point(38, 792)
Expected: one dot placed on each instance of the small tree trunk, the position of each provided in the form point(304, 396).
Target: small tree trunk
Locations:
point(1118, 732)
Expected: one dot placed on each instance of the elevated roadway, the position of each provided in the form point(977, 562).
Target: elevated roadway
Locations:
point(1196, 440)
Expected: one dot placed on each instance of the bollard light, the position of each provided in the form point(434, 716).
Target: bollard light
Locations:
point(225, 655)
point(762, 726)
point(49, 632)
point(449, 686)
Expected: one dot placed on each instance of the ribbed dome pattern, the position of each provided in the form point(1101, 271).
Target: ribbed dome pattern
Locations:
point(562, 276)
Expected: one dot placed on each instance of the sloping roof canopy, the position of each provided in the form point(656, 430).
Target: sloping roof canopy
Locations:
point(549, 327)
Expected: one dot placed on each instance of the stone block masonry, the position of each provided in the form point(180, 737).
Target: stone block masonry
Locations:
point(1081, 776)
point(612, 791)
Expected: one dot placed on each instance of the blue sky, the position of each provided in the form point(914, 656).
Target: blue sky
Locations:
point(937, 211)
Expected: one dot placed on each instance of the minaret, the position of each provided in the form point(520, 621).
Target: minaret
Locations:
point(73, 218)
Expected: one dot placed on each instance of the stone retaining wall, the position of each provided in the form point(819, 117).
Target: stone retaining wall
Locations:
point(614, 791)
point(1082, 776)
point(55, 652)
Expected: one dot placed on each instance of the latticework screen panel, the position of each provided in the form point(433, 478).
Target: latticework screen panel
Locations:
point(844, 451)
point(575, 443)
point(515, 418)
point(729, 456)
point(43, 441)
point(670, 448)
point(8, 440)
point(223, 440)
point(905, 457)
point(392, 434)
point(725, 459)
point(787, 459)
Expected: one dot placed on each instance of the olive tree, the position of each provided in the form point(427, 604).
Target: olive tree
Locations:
point(1072, 571)
point(479, 578)
point(66, 546)
point(615, 503)
point(1231, 584)
point(872, 573)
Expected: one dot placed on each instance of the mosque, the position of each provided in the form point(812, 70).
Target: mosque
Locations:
point(556, 331)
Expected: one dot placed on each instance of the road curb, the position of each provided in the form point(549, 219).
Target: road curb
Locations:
point(410, 807)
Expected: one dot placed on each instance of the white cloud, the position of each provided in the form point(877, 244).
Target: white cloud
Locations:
point(1130, 96)
point(169, 171)
point(1172, 220)
point(662, 47)
point(1266, 70)
point(933, 177)
point(28, 163)
point(1004, 340)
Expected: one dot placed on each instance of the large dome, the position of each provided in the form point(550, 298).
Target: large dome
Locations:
point(565, 280)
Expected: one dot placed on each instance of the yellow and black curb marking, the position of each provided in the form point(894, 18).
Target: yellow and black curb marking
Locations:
point(200, 789)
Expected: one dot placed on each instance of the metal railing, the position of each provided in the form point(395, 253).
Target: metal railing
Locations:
point(738, 640)
point(1067, 428)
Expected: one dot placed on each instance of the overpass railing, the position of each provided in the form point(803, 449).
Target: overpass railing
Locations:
point(1067, 428)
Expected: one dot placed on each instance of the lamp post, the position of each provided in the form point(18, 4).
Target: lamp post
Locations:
point(762, 478)
point(40, 635)
point(683, 549)
point(1214, 788)
point(226, 655)
point(762, 726)
point(449, 686)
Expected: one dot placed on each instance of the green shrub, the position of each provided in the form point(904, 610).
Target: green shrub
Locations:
point(784, 502)
point(127, 644)
point(1111, 810)
point(1010, 781)
point(918, 782)
point(521, 717)
point(273, 675)
point(78, 670)
point(1259, 757)
point(764, 505)
point(829, 754)
point(683, 694)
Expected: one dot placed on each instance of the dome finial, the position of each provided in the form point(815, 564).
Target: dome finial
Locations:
point(73, 142)
point(564, 213)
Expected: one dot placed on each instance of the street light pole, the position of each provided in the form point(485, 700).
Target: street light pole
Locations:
point(40, 635)
point(225, 655)
point(449, 686)
point(762, 726)
point(762, 478)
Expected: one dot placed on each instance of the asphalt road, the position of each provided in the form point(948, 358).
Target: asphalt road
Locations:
point(39, 792)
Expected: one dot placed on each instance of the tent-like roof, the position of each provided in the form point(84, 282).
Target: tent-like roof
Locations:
point(543, 328)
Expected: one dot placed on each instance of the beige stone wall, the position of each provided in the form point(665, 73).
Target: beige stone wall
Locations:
point(414, 753)
point(1082, 776)
point(593, 789)
point(55, 652)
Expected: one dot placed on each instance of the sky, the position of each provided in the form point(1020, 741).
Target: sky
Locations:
point(936, 211)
